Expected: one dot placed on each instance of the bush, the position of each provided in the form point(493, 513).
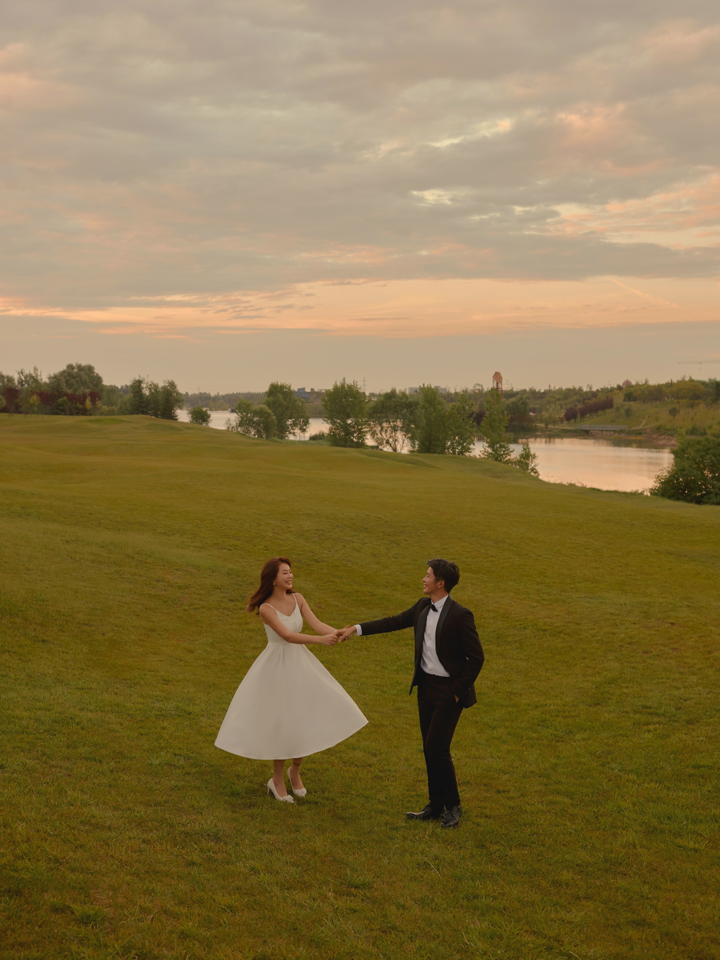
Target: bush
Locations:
point(200, 416)
point(527, 461)
point(694, 476)
point(587, 409)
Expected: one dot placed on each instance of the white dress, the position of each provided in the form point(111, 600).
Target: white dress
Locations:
point(288, 705)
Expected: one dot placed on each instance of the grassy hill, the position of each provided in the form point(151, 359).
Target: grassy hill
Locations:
point(588, 769)
point(659, 418)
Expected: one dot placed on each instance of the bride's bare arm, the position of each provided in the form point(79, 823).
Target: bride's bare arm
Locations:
point(309, 617)
point(270, 617)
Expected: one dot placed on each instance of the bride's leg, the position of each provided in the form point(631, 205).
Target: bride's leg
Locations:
point(279, 777)
point(294, 772)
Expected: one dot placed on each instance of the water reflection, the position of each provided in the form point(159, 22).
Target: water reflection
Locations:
point(593, 463)
point(599, 463)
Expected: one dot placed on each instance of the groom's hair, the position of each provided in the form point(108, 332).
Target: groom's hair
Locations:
point(445, 570)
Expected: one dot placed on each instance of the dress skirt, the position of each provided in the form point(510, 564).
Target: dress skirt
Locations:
point(287, 706)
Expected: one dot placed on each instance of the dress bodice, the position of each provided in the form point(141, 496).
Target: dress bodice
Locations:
point(292, 621)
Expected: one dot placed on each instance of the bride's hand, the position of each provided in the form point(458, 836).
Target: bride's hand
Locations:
point(329, 640)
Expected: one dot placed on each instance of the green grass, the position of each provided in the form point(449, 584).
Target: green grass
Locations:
point(588, 769)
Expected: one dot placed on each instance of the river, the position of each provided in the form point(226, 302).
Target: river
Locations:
point(591, 463)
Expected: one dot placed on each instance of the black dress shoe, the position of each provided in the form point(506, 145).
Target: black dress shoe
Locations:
point(425, 814)
point(451, 818)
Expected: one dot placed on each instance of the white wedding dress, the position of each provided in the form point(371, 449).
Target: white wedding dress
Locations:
point(288, 705)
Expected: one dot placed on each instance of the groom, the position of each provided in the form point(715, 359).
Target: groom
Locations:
point(448, 658)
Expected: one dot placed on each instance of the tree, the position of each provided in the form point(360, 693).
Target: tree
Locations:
point(289, 411)
point(30, 379)
point(518, 410)
point(138, 400)
point(493, 429)
point(526, 461)
point(345, 409)
point(431, 433)
point(688, 390)
point(695, 473)
point(391, 420)
point(11, 396)
point(30, 403)
point(200, 416)
point(153, 396)
point(76, 378)
point(254, 420)
point(171, 400)
point(461, 427)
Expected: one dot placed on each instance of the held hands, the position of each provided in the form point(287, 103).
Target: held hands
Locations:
point(329, 639)
point(337, 636)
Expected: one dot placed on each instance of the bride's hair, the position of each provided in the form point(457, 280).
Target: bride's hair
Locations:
point(267, 578)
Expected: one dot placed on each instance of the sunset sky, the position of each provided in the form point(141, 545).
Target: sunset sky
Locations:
point(228, 192)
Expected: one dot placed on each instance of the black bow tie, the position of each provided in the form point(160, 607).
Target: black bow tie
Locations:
point(433, 607)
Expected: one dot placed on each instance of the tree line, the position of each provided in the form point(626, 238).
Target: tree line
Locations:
point(394, 421)
point(78, 390)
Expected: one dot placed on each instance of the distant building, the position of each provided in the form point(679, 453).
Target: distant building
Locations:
point(626, 384)
point(497, 381)
point(311, 394)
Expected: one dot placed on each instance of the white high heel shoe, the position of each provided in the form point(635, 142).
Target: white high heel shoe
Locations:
point(302, 792)
point(273, 790)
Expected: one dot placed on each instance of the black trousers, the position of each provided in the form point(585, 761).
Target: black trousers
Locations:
point(439, 714)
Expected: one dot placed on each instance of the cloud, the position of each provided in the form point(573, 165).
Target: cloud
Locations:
point(216, 151)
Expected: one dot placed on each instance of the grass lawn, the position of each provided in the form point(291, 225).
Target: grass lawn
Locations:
point(588, 769)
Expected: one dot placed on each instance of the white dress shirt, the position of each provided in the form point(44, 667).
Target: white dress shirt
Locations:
point(429, 660)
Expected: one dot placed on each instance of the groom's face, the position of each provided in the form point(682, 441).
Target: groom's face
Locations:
point(430, 583)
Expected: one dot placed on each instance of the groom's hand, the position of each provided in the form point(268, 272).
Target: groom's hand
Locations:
point(347, 632)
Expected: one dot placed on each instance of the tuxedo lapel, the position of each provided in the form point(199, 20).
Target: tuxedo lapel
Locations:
point(441, 620)
point(420, 632)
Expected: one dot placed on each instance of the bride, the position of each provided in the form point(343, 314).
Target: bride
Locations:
point(288, 705)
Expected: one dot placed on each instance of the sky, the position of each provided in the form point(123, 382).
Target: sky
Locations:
point(226, 193)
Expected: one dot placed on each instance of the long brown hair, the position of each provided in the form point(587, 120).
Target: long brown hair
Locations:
point(267, 578)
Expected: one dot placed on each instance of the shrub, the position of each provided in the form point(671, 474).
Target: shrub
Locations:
point(200, 416)
point(695, 473)
point(587, 409)
point(527, 461)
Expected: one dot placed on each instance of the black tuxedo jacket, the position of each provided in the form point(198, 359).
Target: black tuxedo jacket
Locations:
point(456, 642)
